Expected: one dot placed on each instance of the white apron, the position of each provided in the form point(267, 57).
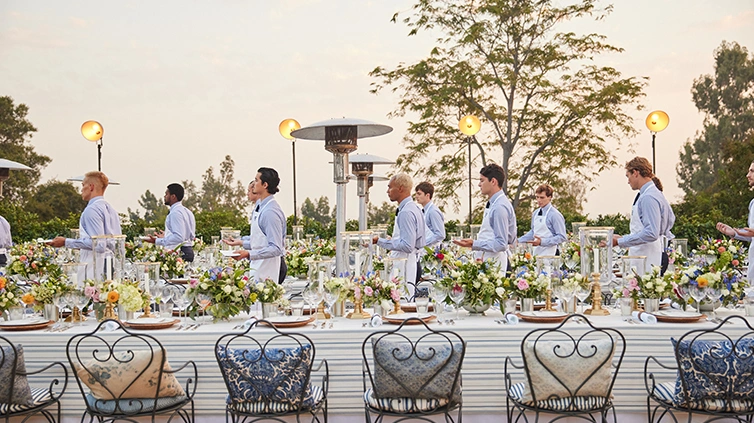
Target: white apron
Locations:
point(263, 268)
point(539, 225)
point(487, 234)
point(652, 250)
point(411, 258)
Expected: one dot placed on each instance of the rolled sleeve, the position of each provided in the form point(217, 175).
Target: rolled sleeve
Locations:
point(649, 214)
point(407, 240)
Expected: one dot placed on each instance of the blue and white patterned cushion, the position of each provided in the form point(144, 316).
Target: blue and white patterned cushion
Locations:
point(21, 392)
point(427, 372)
point(403, 405)
point(712, 370)
point(39, 396)
point(579, 403)
point(258, 408)
point(277, 376)
point(665, 393)
point(132, 405)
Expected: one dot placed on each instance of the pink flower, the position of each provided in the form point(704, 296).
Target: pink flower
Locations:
point(721, 249)
point(633, 284)
point(395, 295)
point(357, 293)
point(193, 283)
point(735, 262)
point(368, 291)
point(90, 291)
point(626, 293)
point(522, 284)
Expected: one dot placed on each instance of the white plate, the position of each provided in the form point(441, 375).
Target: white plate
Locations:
point(677, 313)
point(148, 321)
point(227, 253)
point(23, 322)
point(144, 238)
point(539, 313)
point(404, 316)
point(287, 319)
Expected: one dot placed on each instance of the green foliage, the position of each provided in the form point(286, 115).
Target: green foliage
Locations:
point(27, 226)
point(217, 193)
point(15, 144)
point(55, 199)
point(319, 212)
point(548, 110)
point(380, 215)
point(155, 209)
point(620, 222)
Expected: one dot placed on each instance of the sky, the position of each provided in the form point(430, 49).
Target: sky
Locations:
point(178, 85)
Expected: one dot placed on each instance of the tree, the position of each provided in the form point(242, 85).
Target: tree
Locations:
point(319, 212)
point(15, 144)
point(548, 109)
point(155, 210)
point(218, 193)
point(717, 159)
point(55, 199)
point(380, 215)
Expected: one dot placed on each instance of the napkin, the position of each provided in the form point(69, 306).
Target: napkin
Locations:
point(511, 318)
point(110, 326)
point(376, 321)
point(247, 324)
point(641, 316)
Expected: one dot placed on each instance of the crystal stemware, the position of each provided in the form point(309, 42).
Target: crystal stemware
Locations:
point(456, 295)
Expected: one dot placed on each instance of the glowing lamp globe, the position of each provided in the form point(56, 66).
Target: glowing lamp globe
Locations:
point(657, 121)
point(287, 126)
point(469, 125)
point(92, 130)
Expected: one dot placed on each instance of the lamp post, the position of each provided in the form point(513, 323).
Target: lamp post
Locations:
point(340, 136)
point(286, 127)
point(362, 166)
point(93, 131)
point(656, 122)
point(469, 126)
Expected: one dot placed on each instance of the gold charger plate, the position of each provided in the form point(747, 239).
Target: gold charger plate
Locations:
point(150, 323)
point(181, 281)
point(397, 319)
point(677, 316)
point(542, 316)
point(411, 307)
point(537, 306)
point(33, 326)
point(290, 321)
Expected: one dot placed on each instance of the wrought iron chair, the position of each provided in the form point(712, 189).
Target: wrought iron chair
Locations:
point(715, 376)
point(123, 376)
point(269, 376)
point(17, 398)
point(565, 374)
point(411, 374)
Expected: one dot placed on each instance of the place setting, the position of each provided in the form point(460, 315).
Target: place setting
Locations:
point(34, 323)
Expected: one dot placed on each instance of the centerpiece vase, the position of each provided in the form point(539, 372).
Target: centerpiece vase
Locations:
point(124, 315)
point(651, 305)
point(50, 312)
point(269, 310)
point(109, 312)
point(477, 308)
point(527, 304)
point(339, 308)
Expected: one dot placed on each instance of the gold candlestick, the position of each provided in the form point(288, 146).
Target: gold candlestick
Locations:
point(358, 311)
point(75, 316)
point(321, 313)
point(548, 301)
point(596, 309)
point(147, 311)
point(396, 308)
point(109, 312)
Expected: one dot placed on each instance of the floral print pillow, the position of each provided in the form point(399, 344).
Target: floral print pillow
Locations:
point(128, 374)
point(21, 390)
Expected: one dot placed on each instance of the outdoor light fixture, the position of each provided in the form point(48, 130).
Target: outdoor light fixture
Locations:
point(362, 166)
point(469, 126)
point(286, 127)
point(656, 122)
point(93, 131)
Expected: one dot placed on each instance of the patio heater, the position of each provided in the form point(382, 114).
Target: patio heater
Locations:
point(362, 166)
point(340, 136)
point(5, 167)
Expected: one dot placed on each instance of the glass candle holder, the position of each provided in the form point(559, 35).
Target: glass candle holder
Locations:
point(358, 247)
point(298, 232)
point(597, 252)
point(632, 267)
point(109, 257)
point(75, 273)
point(229, 234)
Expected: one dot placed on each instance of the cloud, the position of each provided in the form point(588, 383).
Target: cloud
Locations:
point(741, 20)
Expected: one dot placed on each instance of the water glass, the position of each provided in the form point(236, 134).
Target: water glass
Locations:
point(166, 310)
point(297, 307)
point(625, 307)
point(422, 305)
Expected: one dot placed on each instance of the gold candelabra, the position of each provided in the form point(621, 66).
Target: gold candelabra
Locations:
point(109, 312)
point(321, 312)
point(396, 308)
point(596, 309)
point(548, 301)
point(358, 311)
point(75, 316)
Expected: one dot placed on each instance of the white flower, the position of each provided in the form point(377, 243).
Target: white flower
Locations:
point(725, 292)
point(732, 249)
point(204, 285)
point(227, 289)
point(500, 291)
point(455, 274)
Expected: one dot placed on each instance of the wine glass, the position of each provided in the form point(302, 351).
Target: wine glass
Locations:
point(439, 294)
point(582, 293)
point(565, 293)
point(313, 297)
point(203, 301)
point(456, 295)
point(180, 301)
point(698, 294)
point(60, 301)
point(714, 295)
point(331, 297)
point(77, 299)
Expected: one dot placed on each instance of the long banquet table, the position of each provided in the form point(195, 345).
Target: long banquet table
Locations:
point(488, 343)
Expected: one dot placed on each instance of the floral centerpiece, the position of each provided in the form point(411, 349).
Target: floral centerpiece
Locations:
point(521, 261)
point(125, 294)
point(527, 284)
point(344, 286)
point(199, 245)
point(45, 292)
point(171, 263)
point(378, 291)
point(10, 294)
point(570, 252)
point(141, 251)
point(31, 260)
point(229, 291)
point(433, 258)
point(323, 247)
point(722, 254)
point(480, 280)
point(269, 291)
point(650, 285)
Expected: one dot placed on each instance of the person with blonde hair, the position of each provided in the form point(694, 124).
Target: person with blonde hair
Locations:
point(408, 231)
point(98, 218)
point(547, 224)
point(652, 218)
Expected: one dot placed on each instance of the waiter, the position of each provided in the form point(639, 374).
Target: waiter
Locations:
point(245, 240)
point(98, 218)
point(408, 231)
point(266, 242)
point(499, 222)
point(180, 225)
point(745, 234)
point(6, 241)
point(434, 221)
point(547, 224)
point(652, 217)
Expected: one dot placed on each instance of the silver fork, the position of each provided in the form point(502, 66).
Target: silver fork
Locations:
point(330, 327)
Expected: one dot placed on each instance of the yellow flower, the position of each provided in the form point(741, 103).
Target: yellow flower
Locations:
point(112, 297)
point(28, 298)
point(702, 282)
point(3, 281)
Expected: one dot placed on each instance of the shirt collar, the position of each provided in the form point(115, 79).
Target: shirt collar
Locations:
point(426, 207)
point(646, 186)
point(547, 207)
point(404, 202)
point(262, 203)
point(176, 204)
point(95, 199)
point(496, 196)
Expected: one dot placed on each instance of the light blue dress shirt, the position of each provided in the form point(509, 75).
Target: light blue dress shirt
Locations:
point(180, 228)
point(272, 223)
point(411, 226)
point(5, 237)
point(555, 223)
point(98, 218)
point(502, 220)
point(655, 215)
point(436, 224)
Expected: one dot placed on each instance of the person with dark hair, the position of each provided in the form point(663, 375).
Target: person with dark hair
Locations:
point(744, 234)
point(652, 218)
point(547, 224)
point(498, 229)
point(434, 221)
point(267, 241)
point(6, 241)
point(180, 225)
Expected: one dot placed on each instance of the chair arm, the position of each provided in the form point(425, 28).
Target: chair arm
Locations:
point(649, 378)
point(190, 381)
point(54, 381)
point(325, 377)
point(508, 382)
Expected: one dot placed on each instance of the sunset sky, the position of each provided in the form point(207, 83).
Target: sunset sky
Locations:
point(177, 85)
